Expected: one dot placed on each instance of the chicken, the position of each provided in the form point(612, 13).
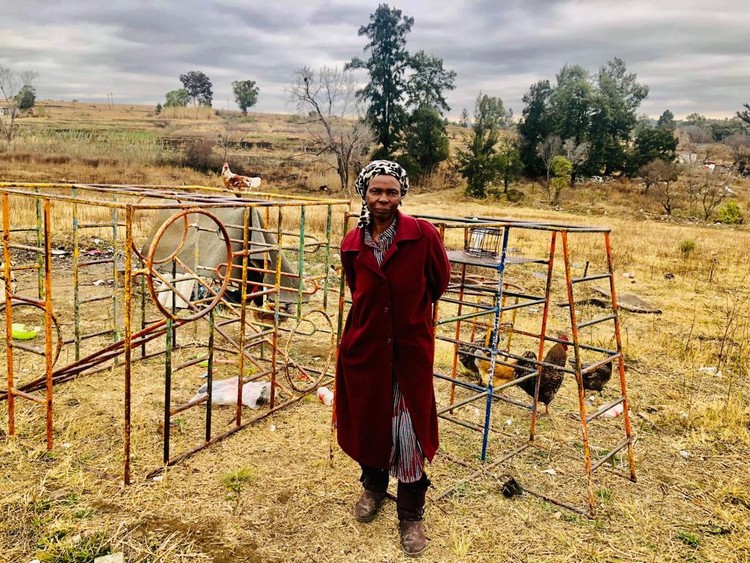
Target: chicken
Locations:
point(237, 182)
point(12, 284)
point(596, 379)
point(481, 366)
point(503, 374)
point(551, 378)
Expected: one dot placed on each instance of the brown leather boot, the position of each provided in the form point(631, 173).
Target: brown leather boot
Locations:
point(413, 538)
point(368, 505)
point(375, 482)
point(410, 507)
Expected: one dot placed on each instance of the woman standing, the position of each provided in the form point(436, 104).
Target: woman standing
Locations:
point(396, 268)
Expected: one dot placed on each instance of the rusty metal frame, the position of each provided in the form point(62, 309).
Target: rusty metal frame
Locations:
point(123, 202)
point(488, 393)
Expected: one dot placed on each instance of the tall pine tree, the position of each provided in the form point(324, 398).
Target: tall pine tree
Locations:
point(387, 66)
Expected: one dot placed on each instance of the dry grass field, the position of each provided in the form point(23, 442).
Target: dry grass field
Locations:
point(273, 493)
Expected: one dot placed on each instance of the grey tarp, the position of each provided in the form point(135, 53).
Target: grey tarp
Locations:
point(212, 250)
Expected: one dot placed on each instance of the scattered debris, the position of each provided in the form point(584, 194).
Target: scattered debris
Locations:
point(669, 276)
point(625, 301)
point(550, 471)
point(20, 331)
point(325, 396)
point(686, 454)
point(224, 392)
point(112, 558)
point(711, 371)
point(511, 487)
point(617, 410)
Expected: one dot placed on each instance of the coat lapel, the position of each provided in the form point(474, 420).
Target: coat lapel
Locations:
point(364, 254)
point(407, 229)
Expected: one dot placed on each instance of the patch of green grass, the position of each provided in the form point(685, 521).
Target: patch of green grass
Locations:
point(569, 517)
point(70, 500)
point(688, 538)
point(686, 248)
point(73, 549)
point(82, 513)
point(236, 479)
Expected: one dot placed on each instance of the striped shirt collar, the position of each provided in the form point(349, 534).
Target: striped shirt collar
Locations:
point(381, 247)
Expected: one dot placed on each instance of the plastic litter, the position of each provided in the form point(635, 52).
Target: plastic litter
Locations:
point(224, 392)
point(325, 395)
point(617, 410)
point(20, 331)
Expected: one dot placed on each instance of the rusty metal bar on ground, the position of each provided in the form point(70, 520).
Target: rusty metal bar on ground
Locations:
point(482, 471)
point(220, 437)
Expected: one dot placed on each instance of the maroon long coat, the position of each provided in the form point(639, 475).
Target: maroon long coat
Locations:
point(389, 331)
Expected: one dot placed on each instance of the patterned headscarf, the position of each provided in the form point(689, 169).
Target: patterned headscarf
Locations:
point(378, 168)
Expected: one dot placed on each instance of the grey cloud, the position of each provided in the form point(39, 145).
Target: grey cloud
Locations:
point(690, 52)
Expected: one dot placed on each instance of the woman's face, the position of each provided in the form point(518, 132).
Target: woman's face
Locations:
point(383, 196)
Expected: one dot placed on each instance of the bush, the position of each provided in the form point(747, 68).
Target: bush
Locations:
point(514, 195)
point(731, 213)
point(686, 248)
point(199, 155)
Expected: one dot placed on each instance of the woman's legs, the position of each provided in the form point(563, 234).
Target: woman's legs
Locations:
point(410, 507)
point(375, 483)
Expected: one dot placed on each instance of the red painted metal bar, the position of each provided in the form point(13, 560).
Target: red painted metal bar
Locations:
point(243, 312)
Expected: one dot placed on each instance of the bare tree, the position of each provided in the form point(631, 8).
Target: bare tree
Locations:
point(715, 190)
point(740, 145)
point(706, 190)
point(548, 149)
point(657, 171)
point(667, 194)
point(692, 139)
point(577, 154)
point(333, 117)
point(11, 83)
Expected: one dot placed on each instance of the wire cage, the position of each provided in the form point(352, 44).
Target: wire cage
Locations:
point(483, 242)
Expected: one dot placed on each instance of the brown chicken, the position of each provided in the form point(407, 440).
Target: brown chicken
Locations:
point(551, 378)
point(481, 366)
point(596, 379)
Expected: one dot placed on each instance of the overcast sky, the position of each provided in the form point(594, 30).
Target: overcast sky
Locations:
point(693, 54)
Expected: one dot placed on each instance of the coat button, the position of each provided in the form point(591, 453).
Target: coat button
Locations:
point(385, 310)
point(389, 341)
